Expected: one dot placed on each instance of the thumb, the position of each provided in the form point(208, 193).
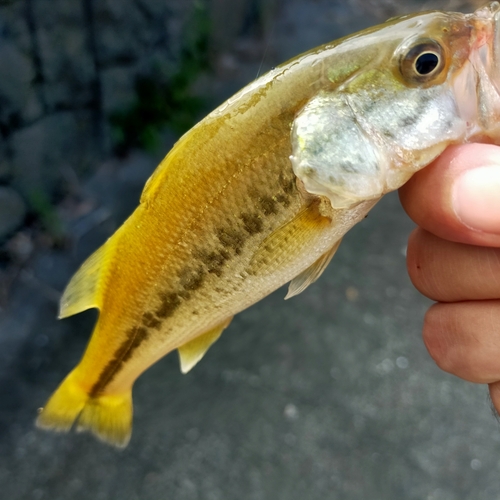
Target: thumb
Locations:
point(457, 197)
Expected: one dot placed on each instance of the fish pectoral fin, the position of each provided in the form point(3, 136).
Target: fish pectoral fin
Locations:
point(194, 350)
point(289, 242)
point(312, 273)
point(83, 291)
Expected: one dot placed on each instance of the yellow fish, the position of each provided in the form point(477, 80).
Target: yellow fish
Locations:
point(261, 192)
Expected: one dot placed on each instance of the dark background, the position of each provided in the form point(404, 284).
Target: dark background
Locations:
point(330, 395)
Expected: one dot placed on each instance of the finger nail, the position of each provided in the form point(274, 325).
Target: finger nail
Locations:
point(476, 199)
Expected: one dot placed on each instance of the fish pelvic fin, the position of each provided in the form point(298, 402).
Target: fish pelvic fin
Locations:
point(107, 416)
point(192, 352)
point(312, 273)
point(84, 289)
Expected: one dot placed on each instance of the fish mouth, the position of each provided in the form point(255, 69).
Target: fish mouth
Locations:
point(487, 41)
point(495, 45)
point(488, 11)
point(477, 85)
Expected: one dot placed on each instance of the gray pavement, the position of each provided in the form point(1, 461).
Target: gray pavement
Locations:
point(330, 395)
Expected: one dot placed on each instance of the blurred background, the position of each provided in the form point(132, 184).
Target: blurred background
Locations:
point(331, 395)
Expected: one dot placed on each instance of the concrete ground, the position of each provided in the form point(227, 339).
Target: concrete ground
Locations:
point(330, 395)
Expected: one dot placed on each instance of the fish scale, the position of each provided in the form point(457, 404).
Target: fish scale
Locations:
point(262, 191)
point(187, 281)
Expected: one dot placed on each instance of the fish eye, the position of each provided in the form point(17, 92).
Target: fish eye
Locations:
point(426, 63)
point(423, 62)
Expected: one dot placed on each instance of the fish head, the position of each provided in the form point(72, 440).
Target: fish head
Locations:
point(430, 80)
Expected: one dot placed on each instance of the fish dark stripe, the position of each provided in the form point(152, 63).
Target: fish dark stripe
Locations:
point(213, 260)
point(268, 205)
point(231, 239)
point(135, 337)
point(169, 303)
point(252, 223)
point(284, 200)
point(192, 279)
point(149, 321)
point(207, 261)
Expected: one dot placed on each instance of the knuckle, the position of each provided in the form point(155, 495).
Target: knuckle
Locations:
point(435, 339)
point(417, 263)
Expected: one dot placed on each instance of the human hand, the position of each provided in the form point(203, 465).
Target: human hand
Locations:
point(454, 258)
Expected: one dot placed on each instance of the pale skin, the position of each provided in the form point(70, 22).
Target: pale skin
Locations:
point(454, 258)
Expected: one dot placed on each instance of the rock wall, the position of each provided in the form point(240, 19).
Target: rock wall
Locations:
point(66, 66)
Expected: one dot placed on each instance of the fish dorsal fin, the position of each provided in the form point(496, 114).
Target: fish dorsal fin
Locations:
point(312, 273)
point(194, 350)
point(164, 169)
point(84, 291)
point(156, 179)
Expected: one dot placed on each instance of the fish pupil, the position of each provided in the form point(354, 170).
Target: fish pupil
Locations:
point(426, 63)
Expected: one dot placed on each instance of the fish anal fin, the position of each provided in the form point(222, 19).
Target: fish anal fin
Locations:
point(312, 273)
point(83, 290)
point(107, 416)
point(192, 352)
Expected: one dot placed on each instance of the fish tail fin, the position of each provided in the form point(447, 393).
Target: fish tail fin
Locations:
point(107, 416)
point(63, 407)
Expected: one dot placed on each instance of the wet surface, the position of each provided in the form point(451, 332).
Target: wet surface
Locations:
point(329, 395)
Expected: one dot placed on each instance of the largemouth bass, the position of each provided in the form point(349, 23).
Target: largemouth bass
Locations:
point(261, 191)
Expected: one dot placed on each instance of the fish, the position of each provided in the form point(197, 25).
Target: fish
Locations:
point(261, 191)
